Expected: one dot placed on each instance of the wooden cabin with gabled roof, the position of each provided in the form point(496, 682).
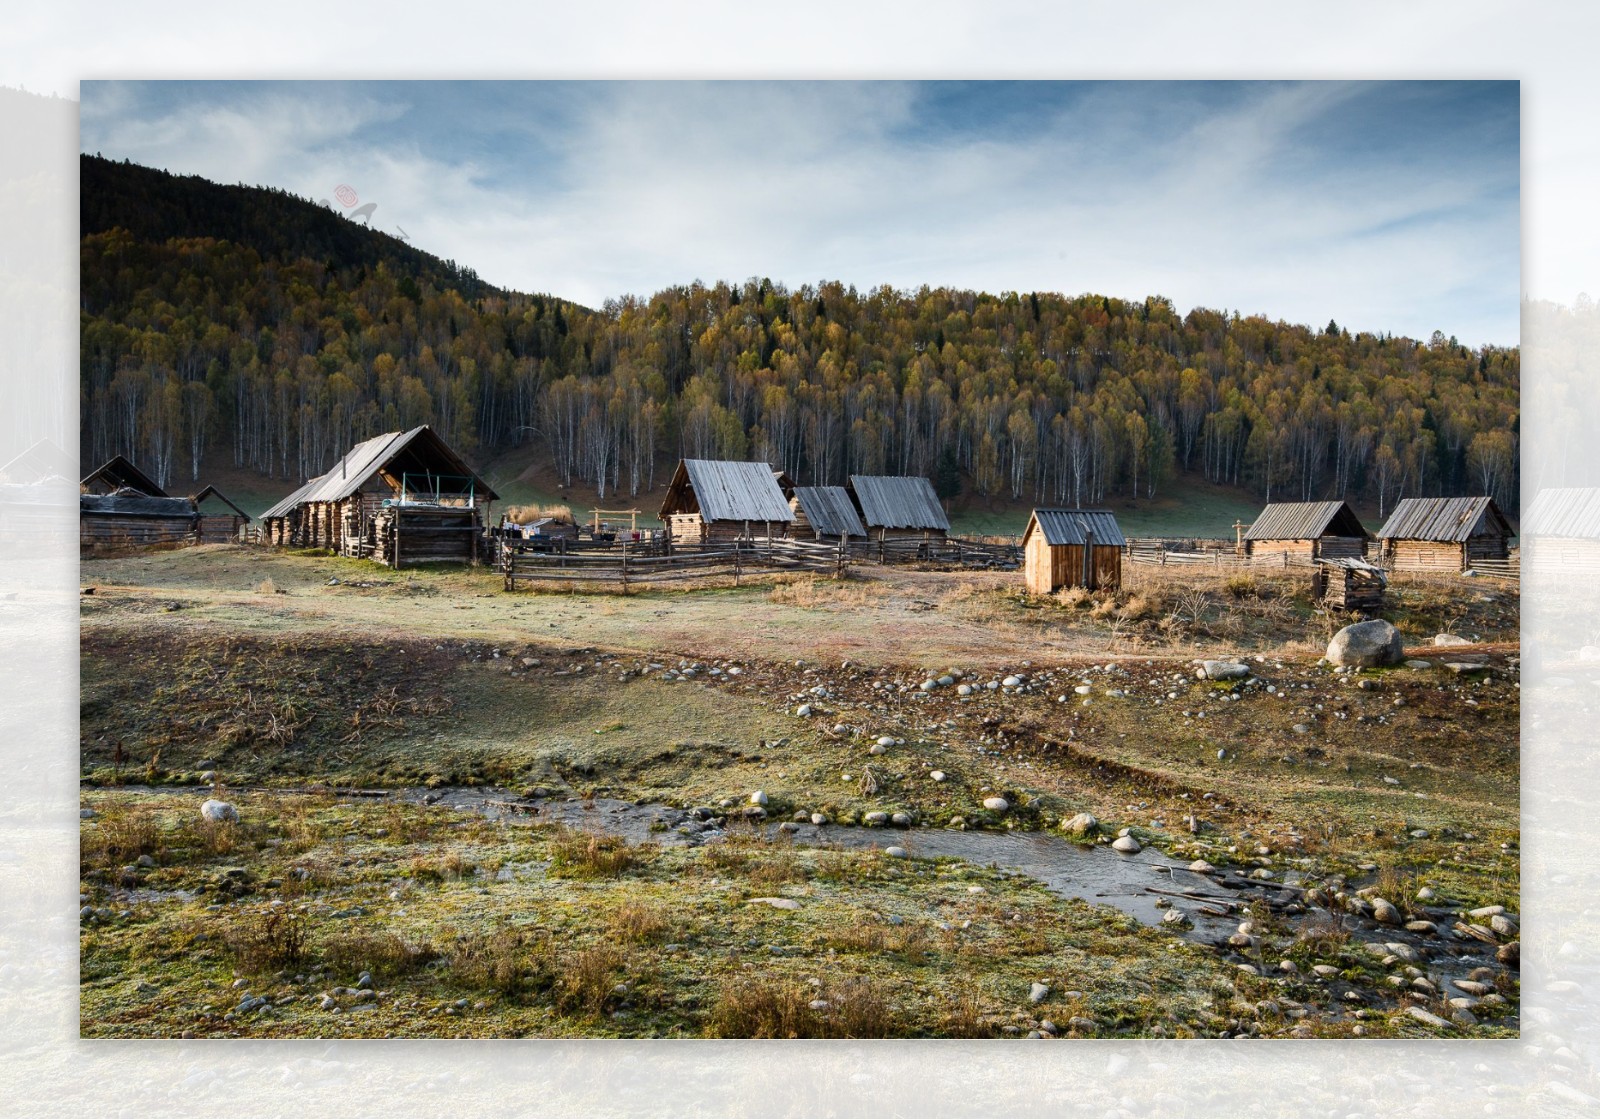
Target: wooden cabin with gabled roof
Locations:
point(826, 513)
point(128, 519)
point(1443, 534)
point(1561, 532)
point(1302, 532)
point(117, 473)
point(902, 507)
point(1072, 548)
point(220, 519)
point(399, 498)
point(721, 500)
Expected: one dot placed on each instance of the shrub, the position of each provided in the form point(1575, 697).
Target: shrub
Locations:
point(124, 834)
point(580, 855)
point(781, 1008)
point(386, 955)
point(269, 939)
point(640, 922)
point(506, 960)
point(588, 978)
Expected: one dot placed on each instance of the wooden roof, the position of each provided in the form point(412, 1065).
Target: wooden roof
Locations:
point(1300, 521)
point(721, 490)
point(213, 492)
point(898, 502)
point(286, 505)
point(131, 503)
point(1444, 519)
point(41, 461)
point(417, 452)
point(119, 474)
point(1073, 526)
point(1564, 511)
point(829, 511)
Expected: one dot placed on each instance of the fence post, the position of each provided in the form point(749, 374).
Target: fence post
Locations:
point(624, 567)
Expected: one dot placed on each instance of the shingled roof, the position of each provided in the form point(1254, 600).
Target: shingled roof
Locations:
point(286, 505)
point(1564, 511)
point(1444, 519)
point(1072, 526)
point(417, 452)
point(1301, 521)
point(721, 490)
point(898, 502)
point(131, 503)
point(829, 512)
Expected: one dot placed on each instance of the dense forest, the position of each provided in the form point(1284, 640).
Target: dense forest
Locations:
point(270, 328)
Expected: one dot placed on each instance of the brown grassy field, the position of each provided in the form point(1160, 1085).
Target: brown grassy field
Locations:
point(283, 671)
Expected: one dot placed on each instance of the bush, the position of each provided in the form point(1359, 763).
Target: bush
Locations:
point(124, 834)
point(506, 960)
point(640, 922)
point(269, 939)
point(386, 955)
point(588, 978)
point(580, 855)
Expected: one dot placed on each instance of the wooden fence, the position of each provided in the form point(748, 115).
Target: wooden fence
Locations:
point(958, 551)
point(628, 564)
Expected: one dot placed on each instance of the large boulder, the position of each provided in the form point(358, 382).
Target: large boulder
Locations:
point(1365, 644)
point(1223, 670)
point(219, 812)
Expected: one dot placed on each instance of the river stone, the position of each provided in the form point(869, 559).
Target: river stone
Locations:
point(964, 690)
point(901, 820)
point(996, 804)
point(1450, 640)
point(1011, 682)
point(1083, 690)
point(896, 851)
point(819, 819)
point(1365, 644)
point(875, 819)
point(1201, 867)
point(1037, 992)
point(759, 797)
point(219, 811)
point(1175, 917)
point(1418, 664)
point(1503, 924)
point(1223, 670)
point(803, 710)
point(1385, 912)
point(1126, 844)
point(1510, 953)
point(937, 775)
point(929, 685)
point(1426, 1017)
point(1081, 825)
point(885, 740)
point(776, 903)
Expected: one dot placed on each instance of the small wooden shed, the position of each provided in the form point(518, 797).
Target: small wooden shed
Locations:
point(1348, 584)
point(825, 512)
point(1443, 534)
point(1072, 548)
point(220, 519)
point(1290, 532)
point(129, 519)
point(118, 474)
point(716, 499)
point(898, 507)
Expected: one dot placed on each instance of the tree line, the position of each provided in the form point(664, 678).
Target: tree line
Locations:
point(193, 346)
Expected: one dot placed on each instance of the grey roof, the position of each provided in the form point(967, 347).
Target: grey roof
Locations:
point(898, 502)
point(1070, 526)
point(1565, 511)
point(286, 506)
point(729, 491)
point(828, 511)
point(213, 492)
point(361, 464)
point(118, 473)
point(1444, 519)
point(131, 503)
point(1299, 521)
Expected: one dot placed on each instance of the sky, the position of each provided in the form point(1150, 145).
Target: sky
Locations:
point(1387, 206)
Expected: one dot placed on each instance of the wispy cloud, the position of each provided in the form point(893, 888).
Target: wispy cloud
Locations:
point(1389, 207)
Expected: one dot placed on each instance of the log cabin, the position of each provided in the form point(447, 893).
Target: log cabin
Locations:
point(118, 474)
point(1072, 548)
point(129, 519)
point(719, 500)
point(1303, 532)
point(902, 507)
point(1443, 534)
point(826, 513)
point(1561, 532)
point(399, 498)
point(220, 519)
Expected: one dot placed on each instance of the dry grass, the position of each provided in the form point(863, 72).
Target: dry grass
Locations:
point(588, 979)
point(965, 1018)
point(580, 855)
point(266, 587)
point(387, 955)
point(274, 938)
point(781, 1008)
point(641, 923)
point(123, 835)
point(505, 960)
point(522, 515)
point(811, 593)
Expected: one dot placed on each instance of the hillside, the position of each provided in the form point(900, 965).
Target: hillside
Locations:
point(246, 329)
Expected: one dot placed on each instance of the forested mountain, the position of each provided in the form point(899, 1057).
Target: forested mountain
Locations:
point(252, 321)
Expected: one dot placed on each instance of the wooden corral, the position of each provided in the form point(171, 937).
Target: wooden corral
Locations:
point(1072, 548)
point(825, 513)
point(129, 519)
point(402, 497)
point(220, 519)
point(1302, 532)
point(116, 475)
point(898, 506)
point(1561, 532)
point(1443, 534)
point(1347, 584)
point(718, 500)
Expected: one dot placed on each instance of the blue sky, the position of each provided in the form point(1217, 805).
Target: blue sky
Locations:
point(1388, 206)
